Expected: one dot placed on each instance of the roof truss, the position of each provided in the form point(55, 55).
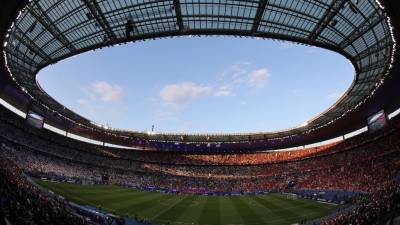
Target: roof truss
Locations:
point(101, 19)
point(44, 19)
point(178, 13)
point(330, 13)
point(262, 5)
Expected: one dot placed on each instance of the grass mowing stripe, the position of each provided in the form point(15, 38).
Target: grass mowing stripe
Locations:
point(304, 205)
point(110, 200)
point(293, 210)
point(310, 203)
point(265, 214)
point(210, 213)
point(245, 212)
point(140, 204)
point(182, 210)
point(68, 194)
point(275, 208)
point(103, 198)
point(193, 212)
point(271, 209)
point(290, 204)
point(97, 197)
point(155, 206)
point(229, 214)
point(176, 210)
point(115, 199)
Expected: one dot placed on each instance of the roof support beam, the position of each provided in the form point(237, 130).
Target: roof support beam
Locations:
point(346, 106)
point(257, 19)
point(44, 19)
point(358, 93)
point(327, 117)
point(373, 66)
point(95, 10)
point(375, 48)
point(364, 27)
point(178, 13)
point(31, 45)
point(368, 80)
point(23, 72)
point(330, 13)
point(18, 55)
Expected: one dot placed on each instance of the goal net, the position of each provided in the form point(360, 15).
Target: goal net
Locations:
point(291, 196)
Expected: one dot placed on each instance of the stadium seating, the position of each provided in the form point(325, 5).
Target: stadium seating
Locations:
point(366, 163)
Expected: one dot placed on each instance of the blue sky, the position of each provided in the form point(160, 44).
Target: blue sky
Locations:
point(200, 84)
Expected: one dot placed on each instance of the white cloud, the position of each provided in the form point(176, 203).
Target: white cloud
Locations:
point(101, 100)
point(258, 78)
point(235, 72)
point(184, 93)
point(101, 112)
point(224, 91)
point(106, 91)
point(239, 74)
point(234, 79)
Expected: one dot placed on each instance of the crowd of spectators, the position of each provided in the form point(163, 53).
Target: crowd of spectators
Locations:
point(371, 208)
point(255, 158)
point(347, 169)
point(21, 133)
point(366, 163)
point(24, 204)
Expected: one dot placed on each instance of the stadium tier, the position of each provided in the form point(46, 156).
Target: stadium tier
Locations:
point(40, 33)
point(366, 163)
point(341, 167)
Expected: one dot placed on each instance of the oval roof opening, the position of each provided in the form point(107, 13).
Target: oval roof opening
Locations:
point(200, 85)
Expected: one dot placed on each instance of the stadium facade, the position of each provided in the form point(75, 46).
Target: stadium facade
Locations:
point(36, 34)
point(360, 173)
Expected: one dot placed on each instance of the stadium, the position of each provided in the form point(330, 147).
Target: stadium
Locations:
point(59, 167)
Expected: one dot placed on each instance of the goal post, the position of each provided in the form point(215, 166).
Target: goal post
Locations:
point(291, 196)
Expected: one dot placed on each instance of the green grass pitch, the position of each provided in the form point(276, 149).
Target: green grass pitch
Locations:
point(160, 208)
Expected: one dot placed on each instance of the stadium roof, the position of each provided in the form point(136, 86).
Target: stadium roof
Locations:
point(47, 31)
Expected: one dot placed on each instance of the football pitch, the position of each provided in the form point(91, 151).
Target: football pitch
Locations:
point(161, 208)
